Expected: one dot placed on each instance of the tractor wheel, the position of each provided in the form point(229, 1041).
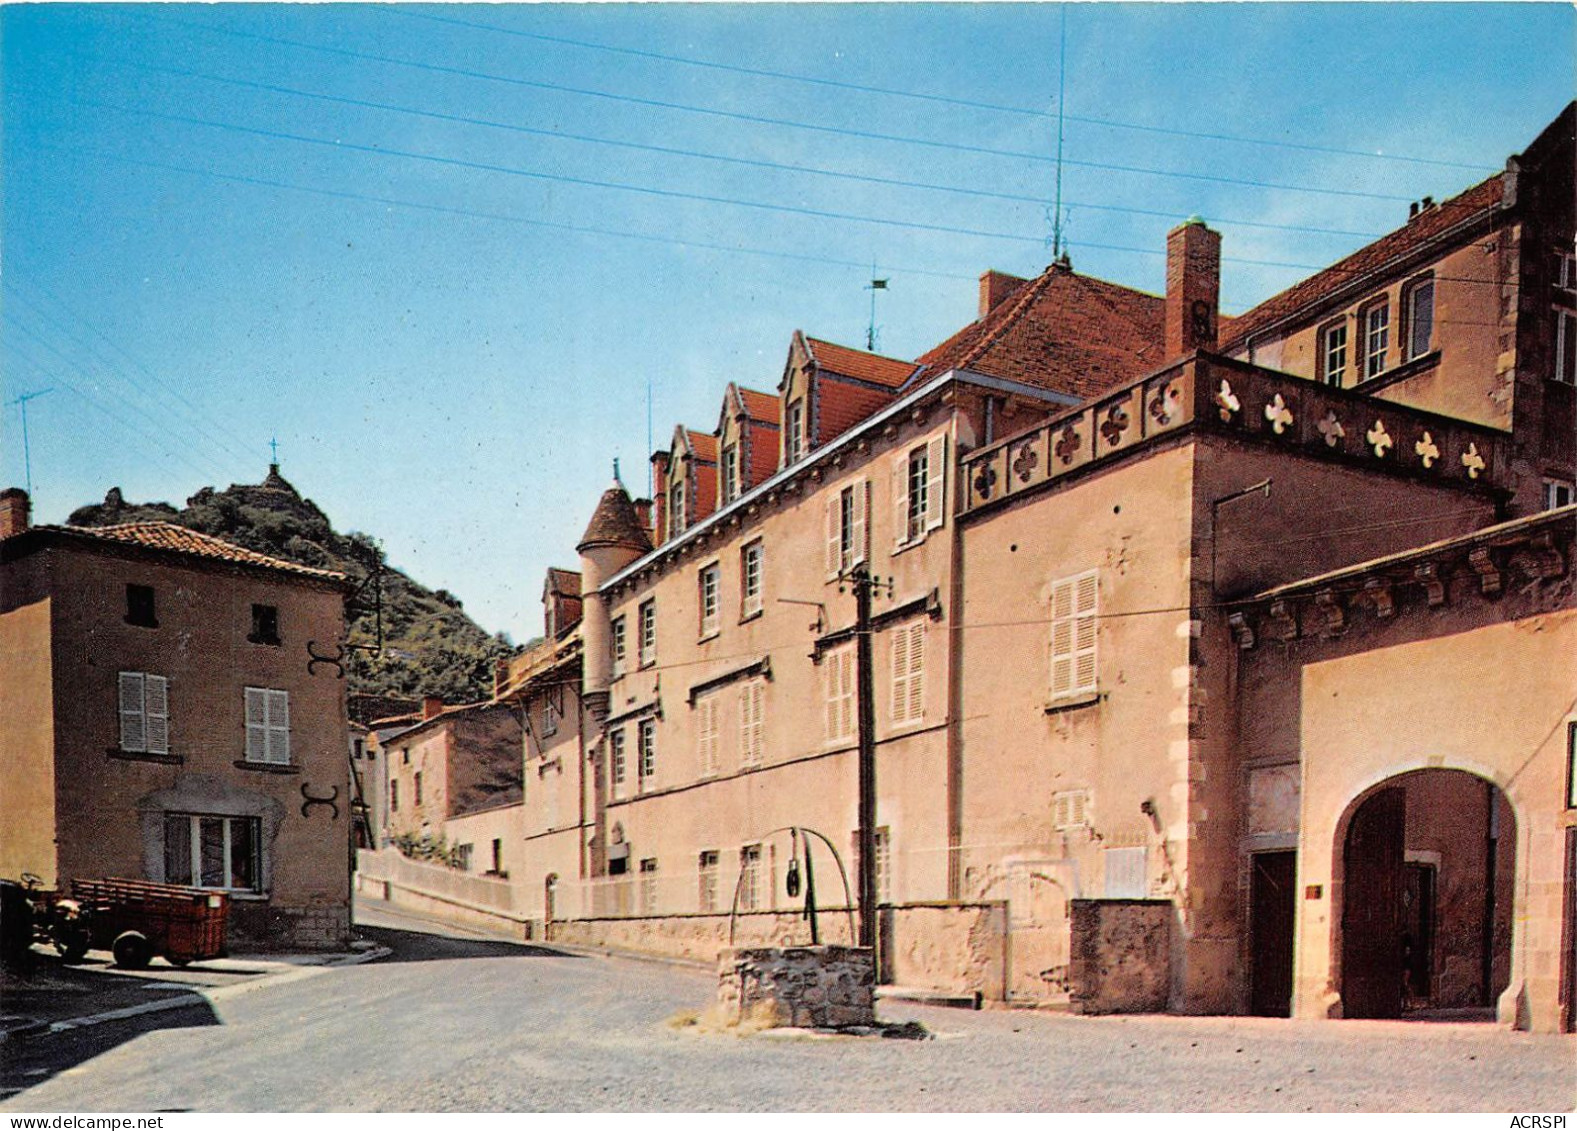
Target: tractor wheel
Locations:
point(72, 945)
point(132, 950)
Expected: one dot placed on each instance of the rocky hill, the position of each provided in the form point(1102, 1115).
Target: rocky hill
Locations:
point(430, 646)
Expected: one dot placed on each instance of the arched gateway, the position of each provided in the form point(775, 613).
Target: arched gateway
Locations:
point(1428, 860)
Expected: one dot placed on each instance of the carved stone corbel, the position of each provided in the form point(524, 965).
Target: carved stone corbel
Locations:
point(1329, 602)
point(1281, 623)
point(1377, 591)
point(1539, 559)
point(1427, 574)
point(1483, 564)
point(1242, 631)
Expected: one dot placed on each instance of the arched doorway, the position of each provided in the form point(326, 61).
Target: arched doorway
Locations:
point(1428, 862)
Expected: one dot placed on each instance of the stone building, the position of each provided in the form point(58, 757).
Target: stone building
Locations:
point(1121, 540)
point(160, 719)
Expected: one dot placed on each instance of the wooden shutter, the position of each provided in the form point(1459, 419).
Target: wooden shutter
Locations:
point(916, 704)
point(256, 724)
point(1086, 593)
point(279, 727)
point(848, 692)
point(935, 481)
point(1061, 639)
point(900, 710)
point(156, 713)
point(834, 526)
point(834, 662)
point(706, 727)
point(900, 485)
point(133, 729)
point(860, 537)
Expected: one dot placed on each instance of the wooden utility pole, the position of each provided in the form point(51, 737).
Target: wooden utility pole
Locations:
point(865, 710)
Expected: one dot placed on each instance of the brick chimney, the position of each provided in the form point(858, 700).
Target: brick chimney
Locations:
point(432, 706)
point(1193, 287)
point(643, 512)
point(14, 510)
point(996, 286)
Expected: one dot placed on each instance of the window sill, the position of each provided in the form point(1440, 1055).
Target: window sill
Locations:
point(747, 617)
point(1412, 367)
point(267, 767)
point(912, 543)
point(706, 636)
point(272, 642)
point(144, 756)
point(1074, 702)
point(141, 623)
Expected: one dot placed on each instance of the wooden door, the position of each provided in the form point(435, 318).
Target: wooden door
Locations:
point(1569, 939)
point(1372, 908)
point(1272, 911)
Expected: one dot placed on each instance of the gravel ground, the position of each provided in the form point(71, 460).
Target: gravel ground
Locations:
point(452, 1024)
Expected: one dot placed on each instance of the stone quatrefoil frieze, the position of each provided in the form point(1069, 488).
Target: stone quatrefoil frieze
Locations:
point(1068, 441)
point(1115, 426)
point(1278, 414)
point(1379, 439)
point(1024, 461)
point(1473, 462)
point(1331, 428)
point(985, 480)
point(1226, 401)
point(1166, 403)
point(1427, 450)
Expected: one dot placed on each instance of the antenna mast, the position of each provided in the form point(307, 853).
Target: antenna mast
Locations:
point(27, 454)
point(1062, 86)
point(873, 286)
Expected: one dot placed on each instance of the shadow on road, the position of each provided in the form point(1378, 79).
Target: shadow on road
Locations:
point(422, 946)
point(57, 993)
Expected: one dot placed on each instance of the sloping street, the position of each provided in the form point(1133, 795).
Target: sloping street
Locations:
point(456, 1022)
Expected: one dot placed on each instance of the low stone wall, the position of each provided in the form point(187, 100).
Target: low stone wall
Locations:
point(951, 947)
point(254, 926)
point(696, 938)
point(821, 987)
point(1121, 955)
point(435, 879)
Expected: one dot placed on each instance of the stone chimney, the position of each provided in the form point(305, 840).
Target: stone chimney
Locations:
point(432, 707)
point(1193, 287)
point(996, 286)
point(15, 508)
point(643, 512)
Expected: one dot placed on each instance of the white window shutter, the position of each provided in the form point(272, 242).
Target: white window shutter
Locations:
point(860, 537)
point(833, 661)
point(279, 727)
point(834, 524)
point(1061, 639)
point(936, 481)
point(900, 709)
point(917, 670)
point(156, 701)
point(1086, 633)
point(256, 724)
point(133, 733)
point(848, 691)
point(900, 483)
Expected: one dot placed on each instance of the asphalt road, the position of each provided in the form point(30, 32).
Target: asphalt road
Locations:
point(457, 1023)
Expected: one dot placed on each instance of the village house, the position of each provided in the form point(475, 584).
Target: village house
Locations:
point(162, 720)
point(1172, 614)
point(454, 778)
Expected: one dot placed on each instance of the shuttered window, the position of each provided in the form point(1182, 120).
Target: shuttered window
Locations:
point(646, 746)
point(751, 560)
point(706, 734)
point(620, 647)
point(838, 666)
point(707, 874)
point(919, 490)
point(1070, 809)
point(648, 629)
point(908, 672)
point(752, 698)
point(1074, 611)
point(710, 597)
point(617, 768)
point(267, 726)
point(144, 713)
point(847, 519)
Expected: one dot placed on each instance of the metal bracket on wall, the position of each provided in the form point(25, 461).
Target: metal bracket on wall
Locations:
point(332, 801)
point(374, 579)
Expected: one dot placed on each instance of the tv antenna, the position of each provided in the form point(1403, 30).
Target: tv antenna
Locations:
point(27, 453)
point(1057, 249)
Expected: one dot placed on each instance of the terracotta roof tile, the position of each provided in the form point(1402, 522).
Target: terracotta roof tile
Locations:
point(841, 405)
point(1414, 235)
point(1064, 331)
point(764, 407)
point(702, 444)
point(565, 582)
point(181, 539)
point(831, 357)
point(615, 523)
point(763, 452)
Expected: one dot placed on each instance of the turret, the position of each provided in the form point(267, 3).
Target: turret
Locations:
point(614, 538)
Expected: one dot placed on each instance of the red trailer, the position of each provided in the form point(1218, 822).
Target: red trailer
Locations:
point(137, 920)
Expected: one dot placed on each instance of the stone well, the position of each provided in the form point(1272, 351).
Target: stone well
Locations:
point(813, 987)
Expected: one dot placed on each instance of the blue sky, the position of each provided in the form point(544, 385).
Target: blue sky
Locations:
point(368, 231)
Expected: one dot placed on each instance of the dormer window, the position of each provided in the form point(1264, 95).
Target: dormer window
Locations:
point(139, 606)
point(730, 470)
point(676, 515)
point(1419, 304)
point(1333, 354)
point(794, 440)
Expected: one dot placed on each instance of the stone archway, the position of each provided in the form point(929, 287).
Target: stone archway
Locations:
point(1427, 860)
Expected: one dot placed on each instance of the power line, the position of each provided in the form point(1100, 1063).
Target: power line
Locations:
point(674, 194)
point(755, 163)
point(970, 103)
point(197, 422)
point(160, 446)
point(757, 119)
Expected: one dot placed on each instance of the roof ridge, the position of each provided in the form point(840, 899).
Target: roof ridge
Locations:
point(1019, 304)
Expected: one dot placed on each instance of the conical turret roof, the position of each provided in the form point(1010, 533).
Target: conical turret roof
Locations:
point(615, 523)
